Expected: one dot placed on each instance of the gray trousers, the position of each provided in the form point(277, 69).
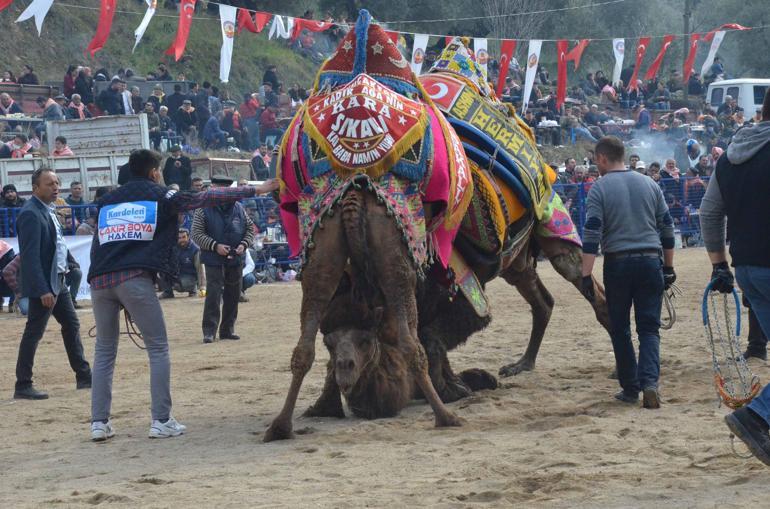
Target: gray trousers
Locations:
point(138, 296)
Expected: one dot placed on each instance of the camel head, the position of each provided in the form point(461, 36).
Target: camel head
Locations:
point(354, 350)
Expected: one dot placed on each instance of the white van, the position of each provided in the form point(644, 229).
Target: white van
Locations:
point(749, 93)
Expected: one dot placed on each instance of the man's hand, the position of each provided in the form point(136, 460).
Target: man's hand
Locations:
point(48, 300)
point(268, 186)
point(587, 288)
point(240, 249)
point(223, 250)
point(722, 279)
point(669, 276)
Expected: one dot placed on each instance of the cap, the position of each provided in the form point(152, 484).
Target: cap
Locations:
point(158, 87)
point(60, 97)
point(640, 164)
point(187, 101)
point(222, 180)
point(9, 187)
point(175, 148)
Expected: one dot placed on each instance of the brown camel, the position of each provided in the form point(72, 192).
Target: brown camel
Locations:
point(365, 234)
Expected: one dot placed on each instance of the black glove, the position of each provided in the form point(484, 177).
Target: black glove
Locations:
point(587, 288)
point(669, 276)
point(722, 279)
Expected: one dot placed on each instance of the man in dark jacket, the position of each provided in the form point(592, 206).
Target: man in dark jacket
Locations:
point(44, 253)
point(174, 101)
point(737, 196)
point(223, 234)
point(178, 169)
point(186, 119)
point(124, 264)
point(110, 100)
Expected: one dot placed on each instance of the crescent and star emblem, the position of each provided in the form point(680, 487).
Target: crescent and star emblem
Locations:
point(443, 90)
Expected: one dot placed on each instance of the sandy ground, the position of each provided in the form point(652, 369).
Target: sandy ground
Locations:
point(553, 437)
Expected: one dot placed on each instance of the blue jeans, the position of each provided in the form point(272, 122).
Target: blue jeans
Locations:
point(249, 280)
point(585, 133)
point(755, 283)
point(636, 281)
point(252, 125)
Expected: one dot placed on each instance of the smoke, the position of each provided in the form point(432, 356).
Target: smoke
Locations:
point(652, 148)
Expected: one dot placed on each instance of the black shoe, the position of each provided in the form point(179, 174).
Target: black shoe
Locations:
point(29, 393)
point(757, 354)
point(752, 430)
point(165, 295)
point(233, 337)
point(76, 305)
point(208, 339)
point(627, 398)
point(650, 398)
point(83, 384)
point(191, 294)
point(243, 298)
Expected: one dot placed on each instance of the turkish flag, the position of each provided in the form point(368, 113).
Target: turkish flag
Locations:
point(641, 49)
point(687, 71)
point(246, 21)
point(507, 48)
point(653, 70)
point(562, 47)
point(576, 53)
point(186, 11)
point(393, 36)
point(4, 4)
point(106, 14)
point(727, 26)
point(308, 24)
point(261, 19)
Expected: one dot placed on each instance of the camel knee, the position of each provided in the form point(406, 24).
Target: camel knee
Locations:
point(302, 359)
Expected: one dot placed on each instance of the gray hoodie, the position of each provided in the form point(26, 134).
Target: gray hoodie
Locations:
point(748, 141)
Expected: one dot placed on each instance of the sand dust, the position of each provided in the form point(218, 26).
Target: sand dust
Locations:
point(553, 437)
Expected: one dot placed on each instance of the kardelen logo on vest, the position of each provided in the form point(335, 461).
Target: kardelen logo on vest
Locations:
point(135, 221)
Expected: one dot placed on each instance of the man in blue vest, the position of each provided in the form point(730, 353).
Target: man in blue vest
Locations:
point(190, 277)
point(223, 233)
point(137, 231)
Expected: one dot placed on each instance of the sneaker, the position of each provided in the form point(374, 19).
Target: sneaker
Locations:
point(167, 429)
point(752, 430)
point(101, 431)
point(626, 398)
point(650, 398)
point(165, 295)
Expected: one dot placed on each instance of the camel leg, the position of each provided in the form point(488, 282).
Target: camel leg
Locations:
point(329, 404)
point(320, 279)
point(448, 386)
point(567, 259)
point(530, 287)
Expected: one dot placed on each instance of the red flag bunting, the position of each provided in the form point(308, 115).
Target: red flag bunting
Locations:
point(562, 47)
point(393, 36)
point(261, 19)
point(687, 71)
point(507, 48)
point(106, 14)
point(641, 49)
point(186, 11)
point(653, 70)
point(308, 24)
point(246, 21)
point(576, 53)
point(4, 4)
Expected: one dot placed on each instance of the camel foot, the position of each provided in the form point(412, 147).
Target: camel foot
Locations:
point(453, 390)
point(448, 420)
point(278, 431)
point(517, 367)
point(479, 379)
point(325, 411)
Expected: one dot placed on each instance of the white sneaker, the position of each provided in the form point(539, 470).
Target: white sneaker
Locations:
point(170, 428)
point(101, 431)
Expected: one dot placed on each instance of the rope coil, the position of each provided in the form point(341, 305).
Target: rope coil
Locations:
point(668, 320)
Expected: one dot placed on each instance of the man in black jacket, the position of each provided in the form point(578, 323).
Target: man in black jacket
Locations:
point(44, 253)
point(737, 196)
point(178, 169)
point(110, 100)
point(135, 241)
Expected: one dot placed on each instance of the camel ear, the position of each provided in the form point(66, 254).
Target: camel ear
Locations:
point(377, 315)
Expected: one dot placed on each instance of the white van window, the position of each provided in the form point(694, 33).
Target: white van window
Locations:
point(717, 96)
point(759, 94)
point(734, 92)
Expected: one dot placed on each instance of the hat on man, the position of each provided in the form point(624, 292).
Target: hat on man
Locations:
point(187, 101)
point(158, 87)
point(60, 97)
point(222, 180)
point(640, 165)
point(9, 187)
point(175, 148)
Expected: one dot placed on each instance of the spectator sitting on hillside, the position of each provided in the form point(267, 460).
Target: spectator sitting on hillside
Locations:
point(162, 74)
point(158, 98)
point(175, 100)
point(153, 124)
point(61, 149)
point(214, 138)
point(268, 124)
point(662, 98)
point(77, 108)
point(260, 162)
point(573, 121)
point(178, 170)
point(186, 120)
point(589, 85)
point(28, 76)
point(267, 95)
point(249, 111)
point(609, 94)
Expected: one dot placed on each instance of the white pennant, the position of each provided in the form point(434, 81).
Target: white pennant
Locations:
point(619, 47)
point(278, 29)
point(715, 43)
point(482, 55)
point(418, 52)
point(139, 33)
point(533, 59)
point(39, 9)
point(227, 17)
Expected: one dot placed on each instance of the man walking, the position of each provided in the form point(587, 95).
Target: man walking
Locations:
point(223, 234)
point(738, 192)
point(123, 267)
point(42, 248)
point(628, 216)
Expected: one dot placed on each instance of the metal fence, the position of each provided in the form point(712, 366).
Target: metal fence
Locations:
point(683, 197)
